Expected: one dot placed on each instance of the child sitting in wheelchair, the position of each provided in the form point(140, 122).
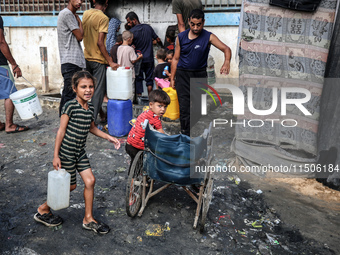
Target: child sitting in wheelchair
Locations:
point(158, 102)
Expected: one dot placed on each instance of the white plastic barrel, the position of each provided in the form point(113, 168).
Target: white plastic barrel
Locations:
point(58, 189)
point(26, 103)
point(119, 83)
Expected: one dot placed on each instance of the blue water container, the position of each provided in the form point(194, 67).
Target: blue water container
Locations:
point(119, 113)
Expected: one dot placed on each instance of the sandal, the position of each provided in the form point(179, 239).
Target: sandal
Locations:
point(3, 127)
point(48, 219)
point(17, 129)
point(97, 227)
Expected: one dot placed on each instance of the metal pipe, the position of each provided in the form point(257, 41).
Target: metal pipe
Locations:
point(44, 69)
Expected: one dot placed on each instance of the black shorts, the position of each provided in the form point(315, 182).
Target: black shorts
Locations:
point(71, 165)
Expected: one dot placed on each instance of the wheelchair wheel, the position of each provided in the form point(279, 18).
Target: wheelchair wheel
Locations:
point(207, 196)
point(134, 186)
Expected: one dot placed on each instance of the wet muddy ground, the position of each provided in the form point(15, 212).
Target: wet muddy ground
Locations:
point(248, 216)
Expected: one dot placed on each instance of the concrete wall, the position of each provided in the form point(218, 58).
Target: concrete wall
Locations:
point(25, 42)
point(227, 35)
point(25, 46)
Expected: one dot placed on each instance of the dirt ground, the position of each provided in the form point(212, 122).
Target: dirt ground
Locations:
point(252, 215)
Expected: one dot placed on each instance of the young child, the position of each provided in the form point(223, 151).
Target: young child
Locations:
point(158, 102)
point(113, 51)
point(163, 68)
point(170, 38)
point(76, 122)
point(169, 56)
point(126, 55)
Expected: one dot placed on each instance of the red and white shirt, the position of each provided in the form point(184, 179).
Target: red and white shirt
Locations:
point(137, 133)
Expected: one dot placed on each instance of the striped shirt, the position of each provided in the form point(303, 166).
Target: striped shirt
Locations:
point(137, 133)
point(73, 144)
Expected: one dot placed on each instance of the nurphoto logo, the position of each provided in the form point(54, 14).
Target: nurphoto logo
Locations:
point(239, 104)
point(204, 98)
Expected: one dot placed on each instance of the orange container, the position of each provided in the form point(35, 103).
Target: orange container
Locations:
point(172, 111)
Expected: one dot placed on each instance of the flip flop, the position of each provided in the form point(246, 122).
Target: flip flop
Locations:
point(17, 129)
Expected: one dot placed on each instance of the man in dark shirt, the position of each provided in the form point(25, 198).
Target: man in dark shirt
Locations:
point(189, 63)
point(6, 55)
point(143, 35)
point(182, 9)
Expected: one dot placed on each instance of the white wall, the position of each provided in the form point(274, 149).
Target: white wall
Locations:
point(25, 42)
point(25, 46)
point(227, 35)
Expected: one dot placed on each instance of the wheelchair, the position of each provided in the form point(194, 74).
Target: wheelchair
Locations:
point(168, 159)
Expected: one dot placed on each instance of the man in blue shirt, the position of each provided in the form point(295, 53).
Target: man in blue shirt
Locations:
point(143, 35)
point(190, 62)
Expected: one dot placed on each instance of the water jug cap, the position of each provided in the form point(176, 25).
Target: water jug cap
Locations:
point(127, 67)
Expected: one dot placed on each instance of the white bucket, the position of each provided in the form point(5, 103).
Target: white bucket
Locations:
point(26, 103)
point(119, 83)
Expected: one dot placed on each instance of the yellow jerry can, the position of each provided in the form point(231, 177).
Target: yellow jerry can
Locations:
point(172, 112)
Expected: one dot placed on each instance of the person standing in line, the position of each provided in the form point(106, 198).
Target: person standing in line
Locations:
point(182, 9)
point(190, 62)
point(163, 68)
point(169, 56)
point(170, 38)
point(70, 34)
point(143, 35)
point(113, 51)
point(95, 24)
point(114, 26)
point(127, 57)
point(7, 83)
